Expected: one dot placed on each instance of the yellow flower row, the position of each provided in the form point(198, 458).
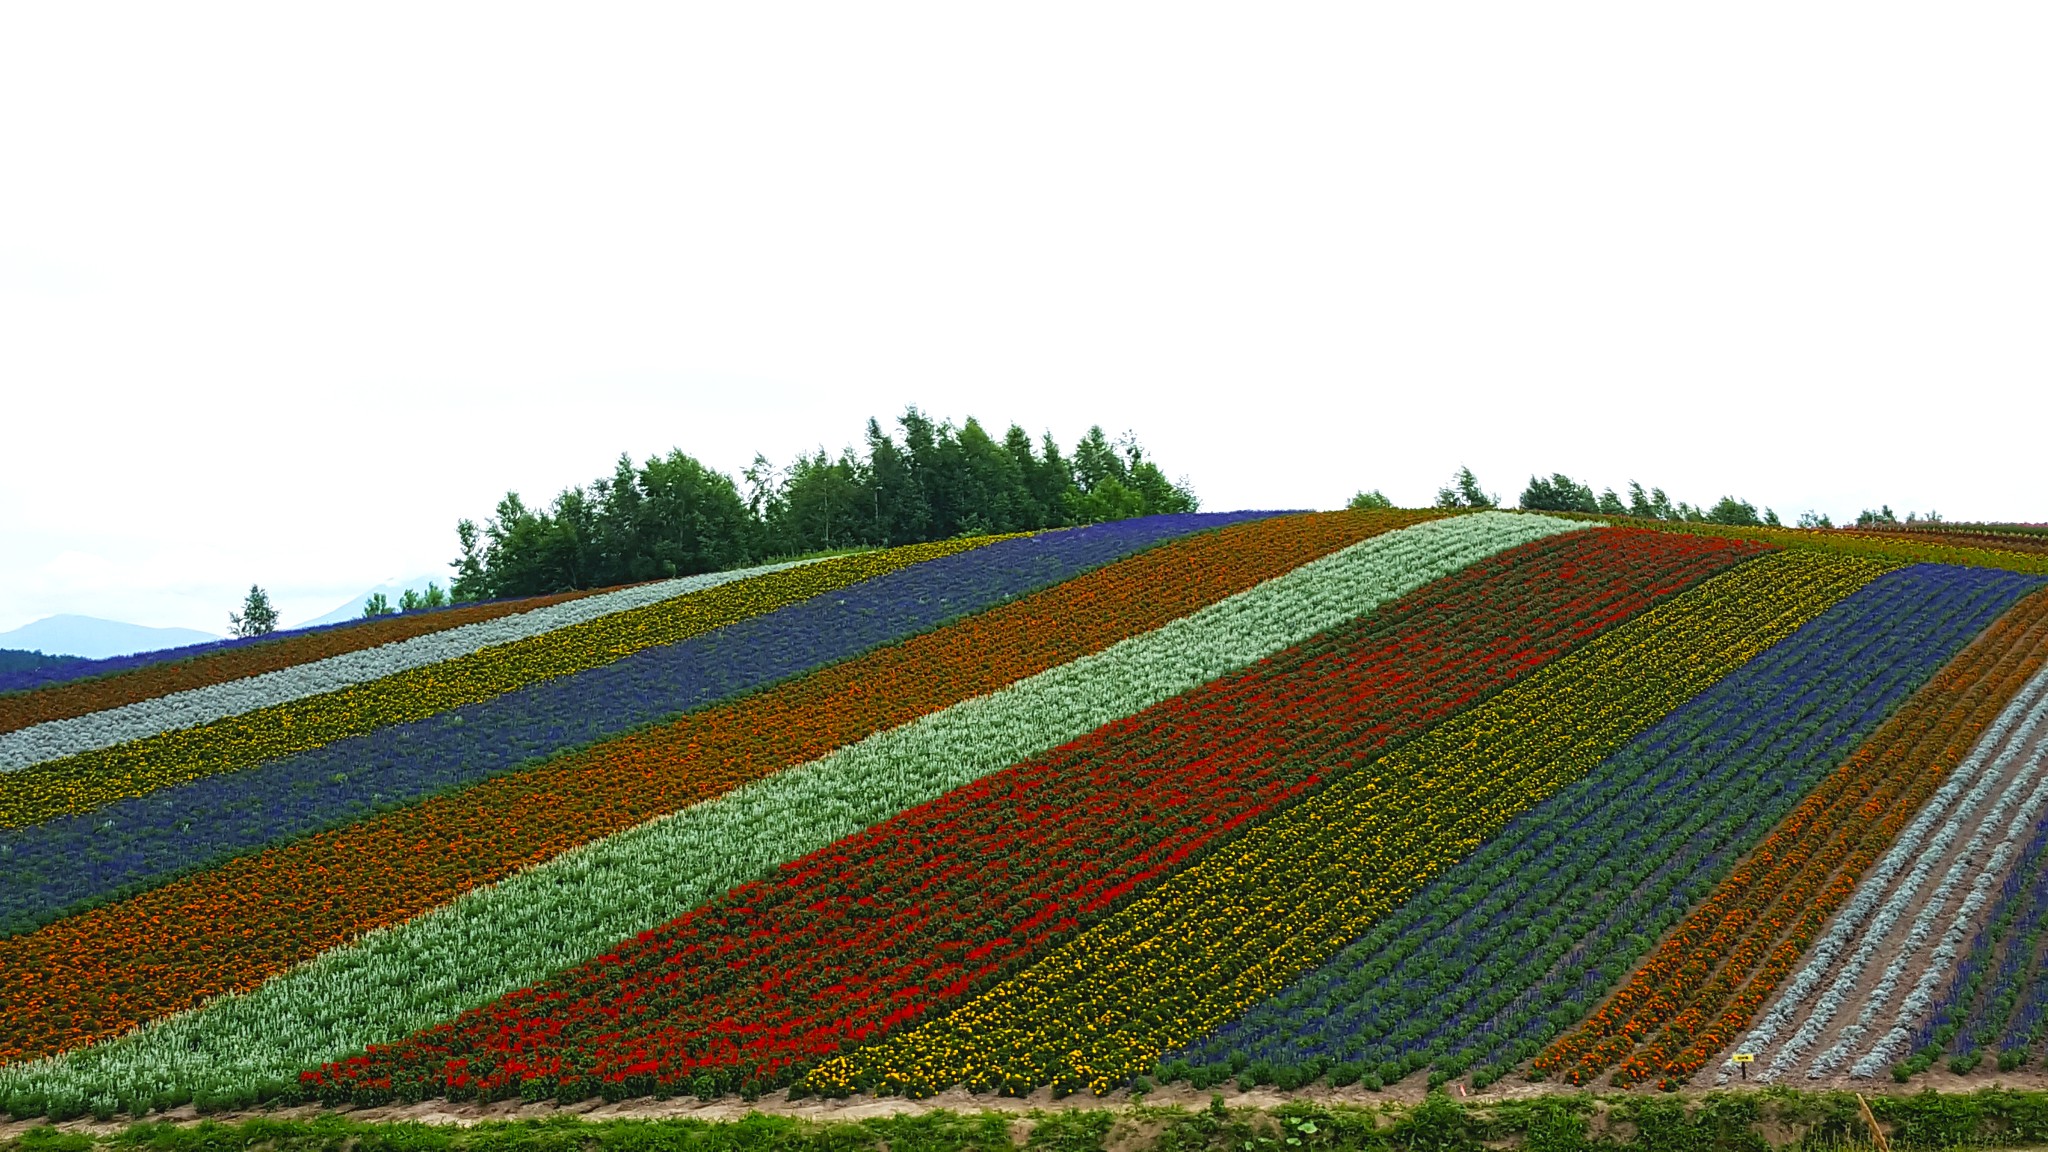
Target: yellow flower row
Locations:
point(1242, 923)
point(87, 781)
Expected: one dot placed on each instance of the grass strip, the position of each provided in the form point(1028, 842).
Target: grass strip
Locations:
point(1577, 1122)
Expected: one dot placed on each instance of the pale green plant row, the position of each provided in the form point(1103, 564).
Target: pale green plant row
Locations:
point(498, 938)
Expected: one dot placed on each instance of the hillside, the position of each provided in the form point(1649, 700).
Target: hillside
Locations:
point(1308, 800)
point(92, 638)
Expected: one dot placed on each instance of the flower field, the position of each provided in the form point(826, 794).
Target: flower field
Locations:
point(1293, 797)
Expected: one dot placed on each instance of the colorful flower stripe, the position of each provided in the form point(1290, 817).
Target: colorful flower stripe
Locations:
point(1899, 548)
point(149, 681)
point(1244, 921)
point(1886, 894)
point(2025, 798)
point(1501, 951)
point(99, 973)
point(1992, 999)
point(190, 709)
point(2033, 542)
point(902, 919)
point(55, 866)
point(82, 783)
point(14, 685)
point(1708, 978)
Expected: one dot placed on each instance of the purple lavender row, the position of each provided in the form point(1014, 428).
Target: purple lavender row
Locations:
point(50, 869)
point(1514, 944)
point(1993, 994)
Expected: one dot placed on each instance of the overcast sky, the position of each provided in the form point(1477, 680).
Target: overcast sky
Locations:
point(287, 289)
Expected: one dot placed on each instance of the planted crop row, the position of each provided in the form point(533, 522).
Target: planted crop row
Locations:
point(1996, 540)
point(1246, 920)
point(81, 783)
point(55, 739)
point(149, 679)
point(58, 865)
point(1876, 920)
point(1506, 948)
point(1705, 982)
point(1906, 549)
point(1991, 1001)
point(48, 678)
point(879, 930)
point(2025, 798)
point(285, 905)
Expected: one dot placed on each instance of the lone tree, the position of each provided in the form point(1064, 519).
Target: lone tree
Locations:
point(1369, 501)
point(1464, 492)
point(257, 617)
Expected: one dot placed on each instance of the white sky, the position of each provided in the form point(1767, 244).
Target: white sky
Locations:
point(284, 293)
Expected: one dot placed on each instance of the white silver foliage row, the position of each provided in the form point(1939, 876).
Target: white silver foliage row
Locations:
point(498, 938)
point(1807, 981)
point(1878, 934)
point(56, 739)
point(1941, 961)
point(2017, 787)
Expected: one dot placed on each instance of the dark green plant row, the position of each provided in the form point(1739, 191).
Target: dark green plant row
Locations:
point(1718, 1122)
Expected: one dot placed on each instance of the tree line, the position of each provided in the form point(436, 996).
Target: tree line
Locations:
point(1558, 492)
point(925, 480)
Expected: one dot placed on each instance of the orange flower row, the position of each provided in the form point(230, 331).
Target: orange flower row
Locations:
point(109, 969)
point(1706, 981)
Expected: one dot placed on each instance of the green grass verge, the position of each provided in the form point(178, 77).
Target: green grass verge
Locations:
point(1758, 1121)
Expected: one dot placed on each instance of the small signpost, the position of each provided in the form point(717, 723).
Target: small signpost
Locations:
point(1745, 1059)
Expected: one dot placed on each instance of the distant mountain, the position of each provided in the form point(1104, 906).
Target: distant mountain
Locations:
point(94, 638)
point(392, 590)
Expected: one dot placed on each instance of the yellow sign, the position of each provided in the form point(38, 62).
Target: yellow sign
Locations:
point(1743, 1057)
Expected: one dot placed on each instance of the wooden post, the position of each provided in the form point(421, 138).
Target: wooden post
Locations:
point(1876, 1133)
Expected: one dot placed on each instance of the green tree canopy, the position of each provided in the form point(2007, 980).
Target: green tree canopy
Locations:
point(932, 480)
point(1464, 492)
point(1559, 493)
point(257, 617)
point(1369, 501)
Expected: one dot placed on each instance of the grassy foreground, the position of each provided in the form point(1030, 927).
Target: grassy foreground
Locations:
point(1735, 1122)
